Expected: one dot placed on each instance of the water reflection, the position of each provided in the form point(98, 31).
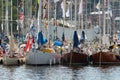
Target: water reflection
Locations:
point(59, 73)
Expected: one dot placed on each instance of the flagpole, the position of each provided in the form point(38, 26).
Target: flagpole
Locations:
point(81, 13)
point(100, 28)
point(2, 17)
point(11, 18)
point(48, 22)
point(76, 14)
point(104, 18)
point(64, 3)
point(55, 21)
point(109, 26)
point(71, 16)
point(39, 15)
point(7, 29)
point(86, 15)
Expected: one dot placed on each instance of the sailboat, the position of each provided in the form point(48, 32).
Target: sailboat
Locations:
point(41, 55)
point(77, 55)
point(105, 55)
point(12, 57)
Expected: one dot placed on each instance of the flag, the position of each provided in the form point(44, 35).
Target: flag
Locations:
point(55, 1)
point(17, 27)
point(63, 7)
point(2, 26)
point(68, 13)
point(110, 12)
point(21, 10)
point(44, 14)
point(28, 45)
point(80, 7)
point(98, 5)
point(38, 1)
point(109, 9)
point(46, 25)
point(21, 16)
point(21, 13)
point(45, 3)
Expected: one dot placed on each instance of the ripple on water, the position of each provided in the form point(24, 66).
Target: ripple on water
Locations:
point(59, 73)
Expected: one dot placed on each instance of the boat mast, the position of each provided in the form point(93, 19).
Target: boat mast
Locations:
point(80, 13)
point(86, 15)
point(64, 14)
point(100, 24)
point(39, 15)
point(55, 20)
point(48, 20)
point(48, 23)
point(104, 18)
point(76, 14)
point(11, 17)
point(7, 30)
point(2, 17)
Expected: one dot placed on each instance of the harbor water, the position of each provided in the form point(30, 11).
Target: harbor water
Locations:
point(59, 72)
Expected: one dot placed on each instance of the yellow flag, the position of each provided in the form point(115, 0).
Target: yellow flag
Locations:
point(38, 1)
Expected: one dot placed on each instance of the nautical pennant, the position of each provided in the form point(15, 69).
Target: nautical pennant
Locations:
point(63, 7)
point(80, 7)
point(21, 4)
point(109, 9)
point(38, 1)
point(98, 5)
point(68, 13)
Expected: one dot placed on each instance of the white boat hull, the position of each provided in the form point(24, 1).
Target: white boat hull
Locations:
point(41, 58)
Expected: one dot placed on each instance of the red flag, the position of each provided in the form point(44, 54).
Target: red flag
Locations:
point(27, 45)
point(33, 40)
point(21, 16)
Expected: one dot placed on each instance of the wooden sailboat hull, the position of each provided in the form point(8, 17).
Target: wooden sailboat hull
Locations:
point(104, 58)
point(11, 60)
point(75, 58)
point(41, 58)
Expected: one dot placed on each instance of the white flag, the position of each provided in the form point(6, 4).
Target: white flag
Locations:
point(17, 27)
point(63, 8)
point(55, 1)
point(68, 13)
point(2, 26)
point(98, 5)
point(109, 9)
point(80, 7)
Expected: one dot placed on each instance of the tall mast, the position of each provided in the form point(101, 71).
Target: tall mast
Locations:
point(104, 18)
point(76, 14)
point(100, 24)
point(48, 11)
point(2, 16)
point(11, 17)
point(64, 3)
point(55, 19)
point(86, 14)
point(7, 29)
point(39, 15)
point(81, 13)
point(48, 17)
